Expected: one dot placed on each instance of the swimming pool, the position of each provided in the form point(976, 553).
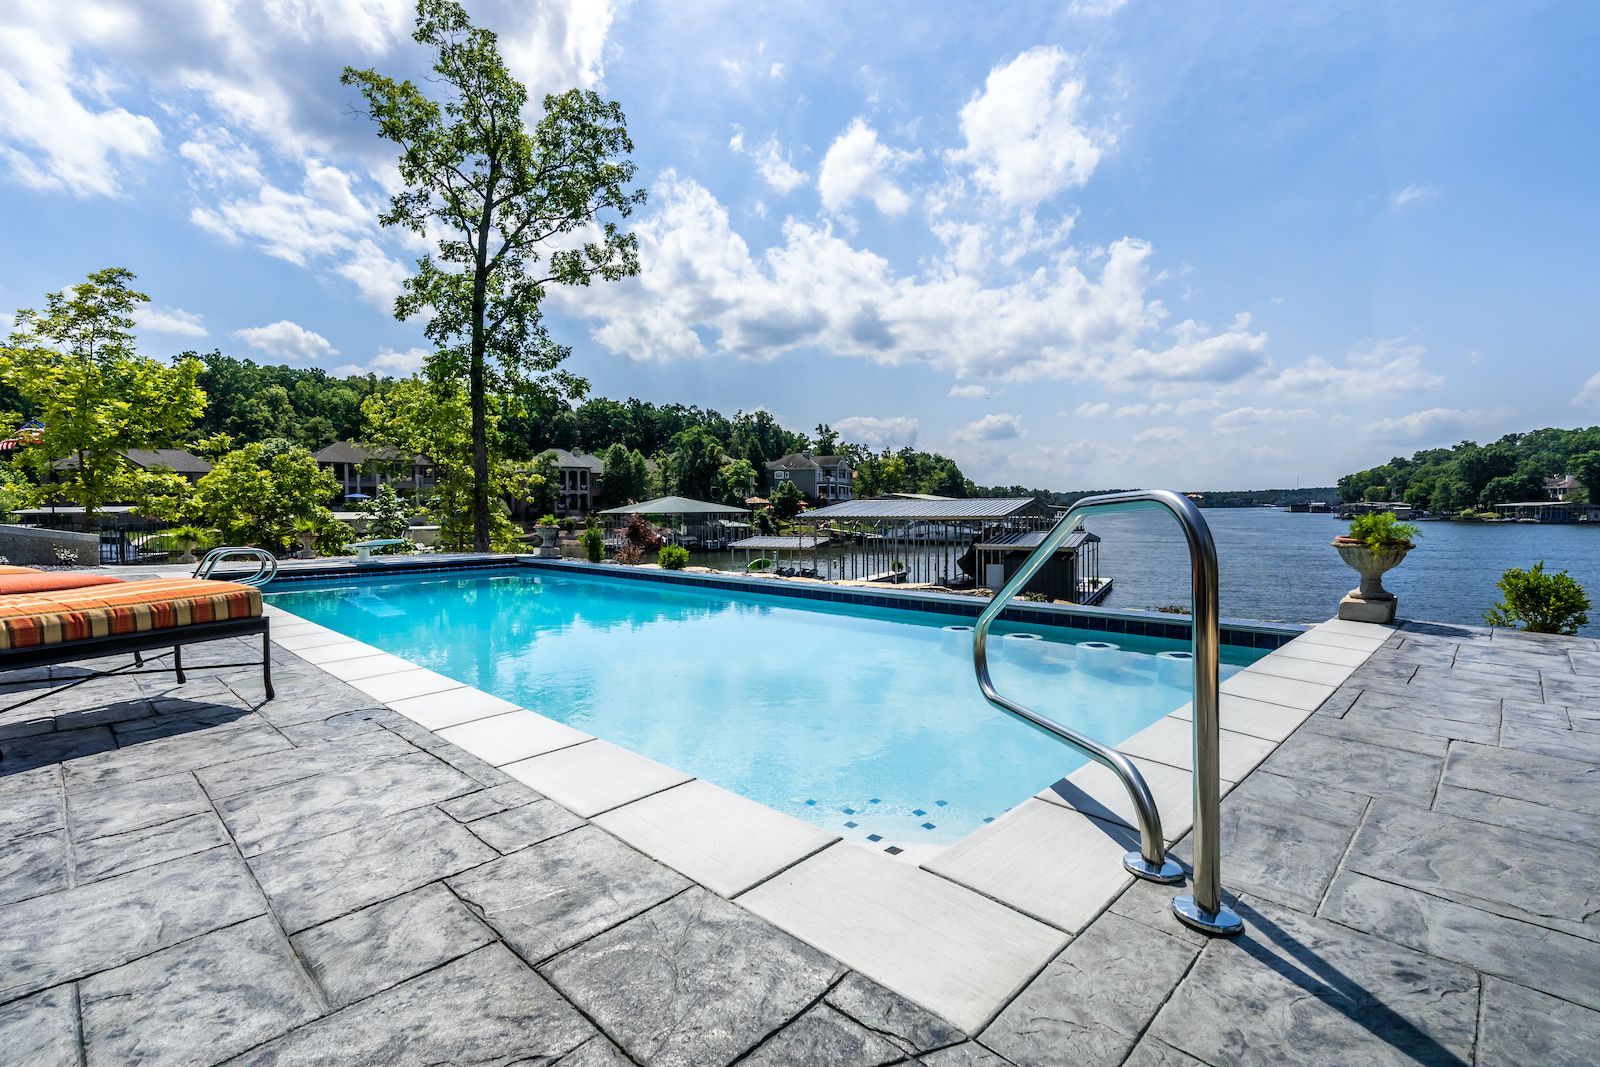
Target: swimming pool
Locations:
point(862, 720)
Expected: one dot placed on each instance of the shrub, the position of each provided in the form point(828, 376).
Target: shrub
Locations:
point(1380, 529)
point(386, 514)
point(629, 553)
point(1540, 603)
point(641, 535)
point(593, 540)
point(673, 557)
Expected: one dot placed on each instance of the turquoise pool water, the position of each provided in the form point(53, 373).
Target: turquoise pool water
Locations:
point(865, 721)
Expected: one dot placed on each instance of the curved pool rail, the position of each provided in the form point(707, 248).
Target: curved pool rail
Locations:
point(1203, 909)
point(266, 563)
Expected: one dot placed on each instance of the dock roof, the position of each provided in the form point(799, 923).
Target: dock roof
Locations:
point(983, 507)
point(777, 541)
point(675, 505)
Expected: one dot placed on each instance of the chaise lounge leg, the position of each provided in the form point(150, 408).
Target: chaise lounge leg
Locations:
point(177, 662)
point(266, 663)
point(138, 658)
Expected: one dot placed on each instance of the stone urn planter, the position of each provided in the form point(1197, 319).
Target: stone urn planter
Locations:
point(1370, 602)
point(548, 536)
point(308, 540)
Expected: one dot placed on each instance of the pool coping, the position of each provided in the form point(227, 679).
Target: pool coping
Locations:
point(1023, 885)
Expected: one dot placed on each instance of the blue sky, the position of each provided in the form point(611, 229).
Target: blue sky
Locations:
point(1084, 244)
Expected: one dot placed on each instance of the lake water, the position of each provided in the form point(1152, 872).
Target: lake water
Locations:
point(1279, 567)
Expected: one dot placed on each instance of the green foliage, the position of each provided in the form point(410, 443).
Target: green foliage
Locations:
point(257, 494)
point(533, 482)
point(673, 557)
point(74, 365)
point(693, 464)
point(736, 482)
point(17, 491)
point(1375, 494)
point(786, 500)
point(157, 494)
point(1469, 475)
point(547, 520)
point(309, 406)
point(506, 203)
point(1380, 529)
point(593, 542)
point(626, 476)
point(386, 514)
point(1585, 466)
point(1540, 603)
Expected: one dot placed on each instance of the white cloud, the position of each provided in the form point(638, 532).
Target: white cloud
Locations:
point(702, 291)
point(969, 392)
point(1139, 411)
point(219, 158)
point(287, 341)
point(1026, 135)
point(1432, 422)
point(400, 364)
point(1091, 411)
point(1158, 435)
point(1372, 369)
point(1588, 393)
point(58, 131)
point(322, 226)
point(772, 164)
point(1247, 418)
point(875, 432)
point(1094, 9)
point(998, 427)
point(169, 320)
point(858, 167)
point(1413, 194)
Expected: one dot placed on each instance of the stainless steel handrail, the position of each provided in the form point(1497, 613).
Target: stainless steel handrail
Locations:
point(266, 563)
point(1203, 909)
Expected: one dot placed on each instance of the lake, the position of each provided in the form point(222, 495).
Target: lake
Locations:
point(1278, 566)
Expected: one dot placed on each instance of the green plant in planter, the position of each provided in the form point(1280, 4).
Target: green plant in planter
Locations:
point(593, 541)
point(186, 539)
point(1380, 530)
point(1540, 603)
point(673, 557)
point(547, 520)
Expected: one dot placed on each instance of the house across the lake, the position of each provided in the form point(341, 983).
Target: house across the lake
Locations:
point(823, 479)
point(175, 460)
point(581, 477)
point(1558, 488)
point(361, 469)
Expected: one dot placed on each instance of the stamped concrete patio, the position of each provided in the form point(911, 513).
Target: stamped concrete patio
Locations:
point(193, 876)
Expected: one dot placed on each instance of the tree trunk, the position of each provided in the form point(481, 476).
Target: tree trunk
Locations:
point(480, 435)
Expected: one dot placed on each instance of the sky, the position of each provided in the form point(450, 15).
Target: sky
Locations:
point(1084, 244)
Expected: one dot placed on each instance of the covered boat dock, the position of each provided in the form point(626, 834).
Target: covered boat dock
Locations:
point(681, 520)
point(924, 540)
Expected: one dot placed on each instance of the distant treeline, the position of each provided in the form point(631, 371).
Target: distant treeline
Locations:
point(1210, 498)
point(1447, 481)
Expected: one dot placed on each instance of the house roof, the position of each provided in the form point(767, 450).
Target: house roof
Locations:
point(675, 505)
point(350, 452)
point(988, 507)
point(798, 461)
point(578, 460)
point(176, 460)
point(1566, 481)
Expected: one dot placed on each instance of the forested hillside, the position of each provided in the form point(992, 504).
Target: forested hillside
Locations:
point(1469, 475)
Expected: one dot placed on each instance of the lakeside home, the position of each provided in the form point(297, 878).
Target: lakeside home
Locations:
point(822, 479)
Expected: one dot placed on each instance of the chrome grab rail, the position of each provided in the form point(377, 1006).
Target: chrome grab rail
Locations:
point(1204, 909)
point(266, 563)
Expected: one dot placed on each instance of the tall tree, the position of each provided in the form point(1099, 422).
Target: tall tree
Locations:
point(511, 207)
point(75, 366)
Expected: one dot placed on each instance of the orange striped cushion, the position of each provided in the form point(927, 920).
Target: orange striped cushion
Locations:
point(48, 582)
point(31, 619)
point(12, 568)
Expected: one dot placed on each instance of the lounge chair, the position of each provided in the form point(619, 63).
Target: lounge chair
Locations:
point(104, 616)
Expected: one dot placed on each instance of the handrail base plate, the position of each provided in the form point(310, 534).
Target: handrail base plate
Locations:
point(1224, 922)
point(1169, 873)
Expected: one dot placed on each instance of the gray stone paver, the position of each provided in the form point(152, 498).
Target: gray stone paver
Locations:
point(198, 1002)
point(1414, 865)
point(375, 948)
point(698, 980)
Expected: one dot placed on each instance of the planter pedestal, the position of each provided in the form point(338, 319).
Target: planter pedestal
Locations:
point(1370, 602)
point(548, 536)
